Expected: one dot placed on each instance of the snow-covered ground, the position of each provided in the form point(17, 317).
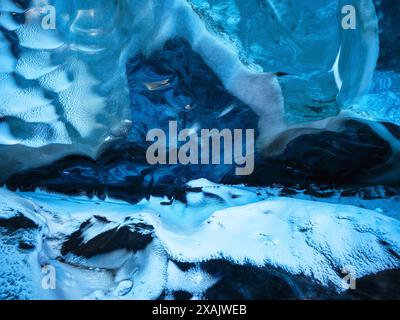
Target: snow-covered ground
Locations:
point(111, 249)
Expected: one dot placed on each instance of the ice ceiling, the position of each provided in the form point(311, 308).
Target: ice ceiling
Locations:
point(65, 91)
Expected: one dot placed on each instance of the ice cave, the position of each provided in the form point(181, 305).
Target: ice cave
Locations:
point(84, 214)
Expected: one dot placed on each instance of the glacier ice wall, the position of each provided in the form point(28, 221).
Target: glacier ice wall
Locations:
point(61, 90)
point(324, 66)
point(383, 99)
point(65, 91)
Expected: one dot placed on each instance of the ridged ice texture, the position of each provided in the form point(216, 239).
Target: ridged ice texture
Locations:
point(61, 90)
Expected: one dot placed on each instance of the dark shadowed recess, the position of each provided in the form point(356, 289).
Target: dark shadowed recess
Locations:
point(246, 282)
point(133, 237)
point(17, 222)
point(174, 83)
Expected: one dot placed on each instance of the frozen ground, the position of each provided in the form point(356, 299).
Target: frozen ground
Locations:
point(111, 249)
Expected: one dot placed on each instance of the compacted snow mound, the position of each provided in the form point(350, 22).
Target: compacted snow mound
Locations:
point(302, 237)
